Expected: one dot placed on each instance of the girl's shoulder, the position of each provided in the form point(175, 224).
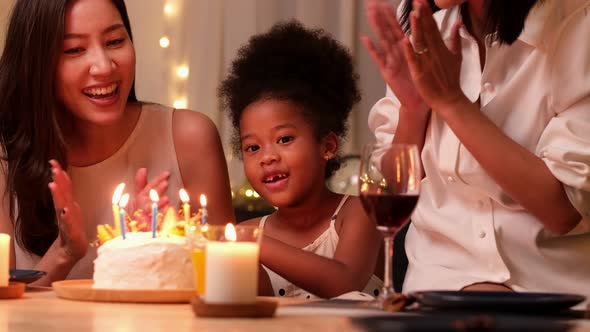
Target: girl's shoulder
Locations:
point(351, 212)
point(352, 205)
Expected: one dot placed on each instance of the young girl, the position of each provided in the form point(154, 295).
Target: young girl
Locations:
point(289, 94)
point(67, 77)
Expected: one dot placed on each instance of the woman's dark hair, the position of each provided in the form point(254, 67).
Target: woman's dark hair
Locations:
point(303, 66)
point(505, 18)
point(30, 134)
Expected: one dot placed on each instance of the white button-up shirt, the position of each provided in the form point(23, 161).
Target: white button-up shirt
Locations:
point(466, 229)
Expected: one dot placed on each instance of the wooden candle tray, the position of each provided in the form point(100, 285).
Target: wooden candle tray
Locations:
point(261, 308)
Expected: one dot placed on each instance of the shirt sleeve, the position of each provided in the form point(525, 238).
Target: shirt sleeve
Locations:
point(384, 116)
point(564, 144)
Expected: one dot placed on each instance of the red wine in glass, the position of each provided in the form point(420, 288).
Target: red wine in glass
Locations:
point(389, 186)
point(389, 211)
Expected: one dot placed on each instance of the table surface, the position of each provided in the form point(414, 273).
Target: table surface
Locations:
point(40, 309)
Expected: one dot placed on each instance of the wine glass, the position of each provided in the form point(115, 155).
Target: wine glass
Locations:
point(389, 186)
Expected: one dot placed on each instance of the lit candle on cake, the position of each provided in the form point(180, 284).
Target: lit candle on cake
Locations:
point(155, 198)
point(186, 208)
point(4, 259)
point(116, 198)
point(122, 205)
point(232, 267)
point(203, 200)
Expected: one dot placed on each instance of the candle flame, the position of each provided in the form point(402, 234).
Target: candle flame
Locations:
point(154, 195)
point(124, 200)
point(203, 200)
point(230, 233)
point(118, 192)
point(183, 195)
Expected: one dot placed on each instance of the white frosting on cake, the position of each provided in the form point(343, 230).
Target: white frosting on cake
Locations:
point(141, 262)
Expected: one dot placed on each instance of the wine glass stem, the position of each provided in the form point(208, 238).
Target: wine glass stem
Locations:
point(388, 290)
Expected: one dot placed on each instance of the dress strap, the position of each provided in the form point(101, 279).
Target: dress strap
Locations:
point(262, 222)
point(342, 201)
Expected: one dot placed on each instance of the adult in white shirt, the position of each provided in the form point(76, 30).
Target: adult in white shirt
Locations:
point(502, 117)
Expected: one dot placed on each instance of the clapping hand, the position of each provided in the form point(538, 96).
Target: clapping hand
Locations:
point(72, 234)
point(388, 54)
point(142, 189)
point(435, 67)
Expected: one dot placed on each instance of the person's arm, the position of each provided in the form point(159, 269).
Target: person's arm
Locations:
point(71, 243)
point(56, 262)
point(406, 115)
point(520, 173)
point(512, 167)
point(350, 269)
point(264, 284)
point(202, 163)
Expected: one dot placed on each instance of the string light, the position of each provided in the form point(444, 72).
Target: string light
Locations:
point(169, 9)
point(182, 72)
point(164, 42)
point(180, 103)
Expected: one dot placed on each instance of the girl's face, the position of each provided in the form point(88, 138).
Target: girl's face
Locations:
point(283, 159)
point(96, 67)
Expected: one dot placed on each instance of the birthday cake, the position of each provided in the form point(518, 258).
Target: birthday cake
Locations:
point(142, 262)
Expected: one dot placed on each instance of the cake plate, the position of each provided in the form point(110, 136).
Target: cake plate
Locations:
point(81, 290)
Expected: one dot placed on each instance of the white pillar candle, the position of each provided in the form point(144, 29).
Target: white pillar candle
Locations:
point(4, 259)
point(231, 273)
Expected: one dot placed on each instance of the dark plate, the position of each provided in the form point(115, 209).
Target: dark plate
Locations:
point(461, 322)
point(26, 276)
point(497, 301)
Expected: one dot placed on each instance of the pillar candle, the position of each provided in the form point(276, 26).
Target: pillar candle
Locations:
point(231, 272)
point(4, 259)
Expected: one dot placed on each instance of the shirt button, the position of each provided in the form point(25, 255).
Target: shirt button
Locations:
point(450, 179)
point(482, 234)
point(488, 86)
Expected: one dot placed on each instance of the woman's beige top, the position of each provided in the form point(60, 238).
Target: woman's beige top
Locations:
point(150, 145)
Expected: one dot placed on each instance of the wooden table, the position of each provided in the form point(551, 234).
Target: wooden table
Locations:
point(41, 310)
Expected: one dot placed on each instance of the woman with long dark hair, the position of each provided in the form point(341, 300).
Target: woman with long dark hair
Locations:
point(68, 102)
point(496, 94)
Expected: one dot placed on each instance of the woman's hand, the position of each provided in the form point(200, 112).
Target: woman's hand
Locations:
point(72, 235)
point(387, 52)
point(142, 189)
point(434, 67)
